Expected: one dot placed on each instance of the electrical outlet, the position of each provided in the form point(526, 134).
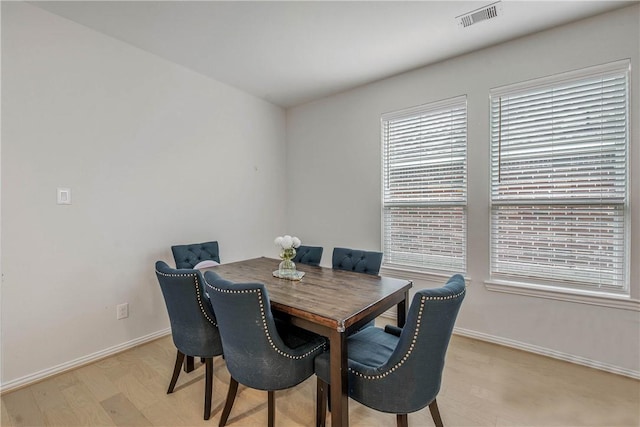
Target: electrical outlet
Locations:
point(64, 196)
point(122, 311)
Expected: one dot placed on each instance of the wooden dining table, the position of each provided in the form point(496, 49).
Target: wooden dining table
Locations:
point(329, 302)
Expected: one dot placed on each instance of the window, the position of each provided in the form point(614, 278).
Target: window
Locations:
point(559, 213)
point(425, 186)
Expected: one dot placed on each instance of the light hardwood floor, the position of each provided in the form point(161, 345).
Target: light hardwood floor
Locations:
point(483, 385)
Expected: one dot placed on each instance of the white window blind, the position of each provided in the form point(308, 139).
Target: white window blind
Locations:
point(559, 180)
point(425, 186)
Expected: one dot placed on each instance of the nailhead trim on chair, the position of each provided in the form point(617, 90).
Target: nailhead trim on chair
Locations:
point(413, 341)
point(264, 321)
point(195, 276)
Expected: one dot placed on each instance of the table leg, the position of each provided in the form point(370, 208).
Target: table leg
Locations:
point(402, 310)
point(339, 379)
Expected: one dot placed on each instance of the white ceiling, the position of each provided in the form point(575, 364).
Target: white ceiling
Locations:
point(292, 52)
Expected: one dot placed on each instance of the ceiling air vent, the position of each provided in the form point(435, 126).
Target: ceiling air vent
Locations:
point(482, 14)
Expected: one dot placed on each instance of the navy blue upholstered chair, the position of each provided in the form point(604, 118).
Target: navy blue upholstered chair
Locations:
point(356, 260)
point(189, 256)
point(397, 370)
point(257, 354)
point(310, 255)
point(367, 262)
point(193, 324)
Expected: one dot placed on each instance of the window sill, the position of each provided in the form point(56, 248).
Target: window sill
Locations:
point(581, 297)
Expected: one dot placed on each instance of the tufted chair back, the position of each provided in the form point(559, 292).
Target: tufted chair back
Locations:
point(193, 323)
point(257, 355)
point(356, 260)
point(254, 351)
point(310, 255)
point(188, 256)
point(401, 372)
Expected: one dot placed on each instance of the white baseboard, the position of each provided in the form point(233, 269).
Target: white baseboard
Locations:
point(547, 352)
point(38, 376)
point(85, 360)
point(539, 350)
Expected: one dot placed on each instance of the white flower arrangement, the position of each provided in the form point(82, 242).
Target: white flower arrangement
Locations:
point(287, 242)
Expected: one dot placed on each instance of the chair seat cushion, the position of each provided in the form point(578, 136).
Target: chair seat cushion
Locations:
point(295, 337)
point(369, 347)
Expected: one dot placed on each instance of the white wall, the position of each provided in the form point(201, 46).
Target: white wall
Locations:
point(334, 198)
point(154, 155)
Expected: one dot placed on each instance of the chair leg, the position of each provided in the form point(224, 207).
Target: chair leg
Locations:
point(272, 408)
point(321, 403)
point(231, 396)
point(176, 371)
point(403, 420)
point(208, 387)
point(188, 364)
point(435, 413)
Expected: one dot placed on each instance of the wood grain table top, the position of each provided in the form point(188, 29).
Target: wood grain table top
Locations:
point(328, 297)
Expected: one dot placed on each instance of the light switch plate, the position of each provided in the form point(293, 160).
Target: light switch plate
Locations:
point(64, 196)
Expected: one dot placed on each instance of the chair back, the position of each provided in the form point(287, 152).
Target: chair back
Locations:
point(193, 323)
point(310, 255)
point(255, 354)
point(188, 256)
point(356, 260)
point(410, 379)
